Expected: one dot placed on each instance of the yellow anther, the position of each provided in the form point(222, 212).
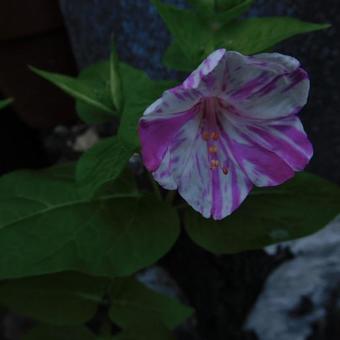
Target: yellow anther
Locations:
point(206, 135)
point(214, 163)
point(215, 135)
point(212, 149)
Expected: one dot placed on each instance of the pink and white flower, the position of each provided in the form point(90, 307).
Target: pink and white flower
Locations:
point(230, 125)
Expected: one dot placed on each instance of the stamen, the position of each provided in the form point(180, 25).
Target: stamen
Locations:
point(225, 170)
point(215, 135)
point(206, 135)
point(214, 163)
point(212, 149)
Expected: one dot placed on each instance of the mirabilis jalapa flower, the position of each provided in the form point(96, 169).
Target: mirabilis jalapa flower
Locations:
point(230, 125)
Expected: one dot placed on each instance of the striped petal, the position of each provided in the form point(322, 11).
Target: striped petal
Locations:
point(186, 167)
point(284, 137)
point(156, 135)
point(210, 77)
point(265, 86)
point(161, 122)
point(268, 151)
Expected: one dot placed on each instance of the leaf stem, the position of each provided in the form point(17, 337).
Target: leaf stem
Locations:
point(170, 197)
point(155, 187)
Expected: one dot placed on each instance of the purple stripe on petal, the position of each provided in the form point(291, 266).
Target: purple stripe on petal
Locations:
point(268, 88)
point(247, 89)
point(296, 77)
point(263, 167)
point(289, 143)
point(216, 208)
point(156, 134)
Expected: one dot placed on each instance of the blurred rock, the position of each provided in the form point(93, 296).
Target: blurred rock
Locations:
point(299, 294)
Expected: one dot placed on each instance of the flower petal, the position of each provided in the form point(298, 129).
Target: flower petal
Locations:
point(265, 86)
point(157, 132)
point(262, 166)
point(161, 121)
point(186, 167)
point(286, 138)
point(209, 77)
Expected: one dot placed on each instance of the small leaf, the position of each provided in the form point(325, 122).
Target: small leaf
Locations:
point(186, 28)
point(295, 209)
point(87, 90)
point(102, 164)
point(5, 102)
point(58, 299)
point(44, 332)
point(220, 12)
point(203, 5)
point(46, 226)
point(175, 59)
point(233, 10)
point(115, 81)
point(226, 5)
point(131, 299)
point(255, 35)
point(139, 93)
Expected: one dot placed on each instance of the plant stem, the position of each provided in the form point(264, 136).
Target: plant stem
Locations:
point(155, 187)
point(170, 197)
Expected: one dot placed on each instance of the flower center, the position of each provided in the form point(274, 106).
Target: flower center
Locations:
point(210, 131)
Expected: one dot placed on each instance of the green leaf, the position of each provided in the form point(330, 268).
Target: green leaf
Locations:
point(225, 5)
point(59, 299)
point(203, 5)
point(92, 91)
point(186, 28)
point(43, 332)
point(102, 164)
point(96, 76)
point(175, 59)
point(254, 35)
point(139, 93)
point(115, 81)
point(295, 209)
point(220, 12)
point(230, 11)
point(47, 226)
point(131, 299)
point(5, 102)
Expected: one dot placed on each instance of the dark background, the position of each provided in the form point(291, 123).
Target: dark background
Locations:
point(68, 36)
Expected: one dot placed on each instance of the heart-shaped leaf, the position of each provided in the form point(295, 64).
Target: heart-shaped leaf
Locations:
point(46, 226)
point(295, 209)
point(58, 299)
point(131, 299)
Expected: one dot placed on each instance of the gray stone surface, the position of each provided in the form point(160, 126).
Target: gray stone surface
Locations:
point(296, 295)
